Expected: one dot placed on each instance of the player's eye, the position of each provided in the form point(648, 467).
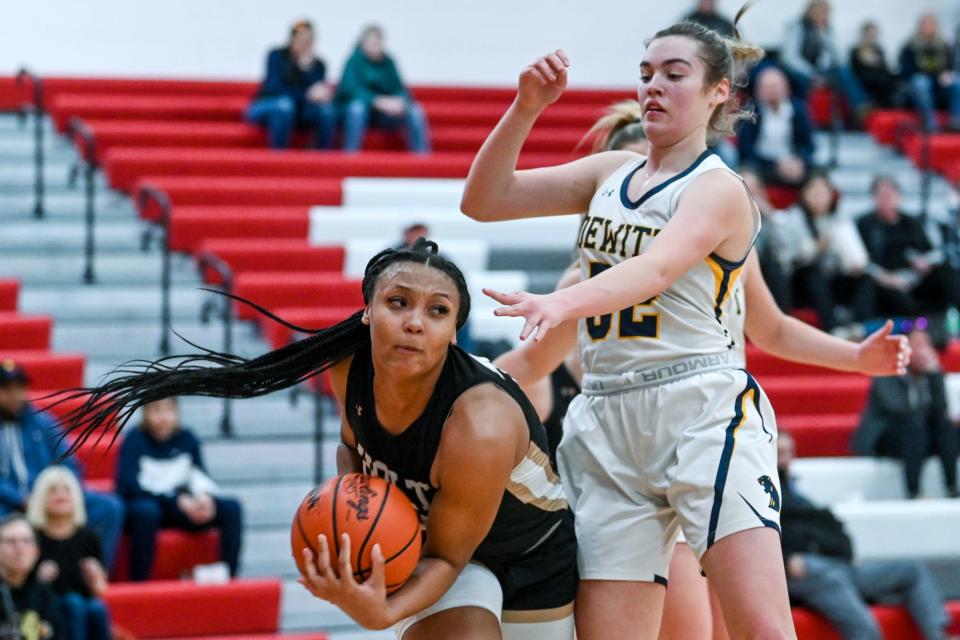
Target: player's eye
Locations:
point(397, 301)
point(440, 309)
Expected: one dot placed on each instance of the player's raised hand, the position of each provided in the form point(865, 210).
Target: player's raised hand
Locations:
point(541, 313)
point(543, 82)
point(881, 354)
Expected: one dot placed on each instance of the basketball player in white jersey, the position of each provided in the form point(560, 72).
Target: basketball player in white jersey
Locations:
point(669, 432)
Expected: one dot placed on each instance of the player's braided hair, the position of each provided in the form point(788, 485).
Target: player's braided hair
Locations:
point(723, 58)
point(225, 375)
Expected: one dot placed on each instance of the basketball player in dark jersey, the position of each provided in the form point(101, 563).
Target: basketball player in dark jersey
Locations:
point(454, 433)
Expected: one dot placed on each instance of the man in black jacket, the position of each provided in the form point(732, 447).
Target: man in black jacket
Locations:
point(906, 418)
point(823, 575)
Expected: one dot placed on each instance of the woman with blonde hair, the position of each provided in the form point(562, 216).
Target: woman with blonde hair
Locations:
point(70, 556)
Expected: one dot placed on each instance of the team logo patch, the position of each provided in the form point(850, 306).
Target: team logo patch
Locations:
point(771, 490)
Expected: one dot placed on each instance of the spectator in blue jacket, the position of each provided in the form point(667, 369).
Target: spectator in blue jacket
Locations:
point(927, 68)
point(779, 142)
point(371, 93)
point(31, 441)
point(295, 93)
point(161, 476)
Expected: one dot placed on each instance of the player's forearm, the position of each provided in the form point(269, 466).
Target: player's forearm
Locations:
point(620, 287)
point(491, 174)
point(799, 342)
point(348, 461)
point(432, 578)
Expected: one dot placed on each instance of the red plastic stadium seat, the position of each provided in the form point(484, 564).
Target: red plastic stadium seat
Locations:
point(54, 86)
point(9, 294)
point(273, 255)
point(190, 227)
point(241, 191)
point(895, 623)
point(885, 125)
point(180, 609)
point(273, 290)
point(944, 149)
point(820, 434)
point(781, 196)
point(841, 393)
point(98, 458)
point(24, 332)
point(270, 636)
point(49, 370)
point(178, 552)
point(307, 317)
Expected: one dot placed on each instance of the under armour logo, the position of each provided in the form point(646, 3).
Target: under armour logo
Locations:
point(606, 193)
point(359, 410)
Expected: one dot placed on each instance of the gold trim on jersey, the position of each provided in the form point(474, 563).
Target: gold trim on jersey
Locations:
point(723, 280)
point(534, 482)
point(537, 615)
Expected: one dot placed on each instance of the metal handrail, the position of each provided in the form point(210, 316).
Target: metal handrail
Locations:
point(23, 76)
point(79, 129)
point(225, 272)
point(144, 196)
point(925, 165)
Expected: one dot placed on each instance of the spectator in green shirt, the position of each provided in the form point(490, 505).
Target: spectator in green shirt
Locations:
point(371, 93)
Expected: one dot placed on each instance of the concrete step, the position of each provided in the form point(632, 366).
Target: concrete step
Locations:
point(138, 338)
point(43, 235)
point(112, 269)
point(17, 175)
point(67, 207)
point(110, 304)
point(303, 612)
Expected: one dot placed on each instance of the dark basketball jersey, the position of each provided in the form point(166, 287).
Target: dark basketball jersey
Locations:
point(531, 545)
point(563, 389)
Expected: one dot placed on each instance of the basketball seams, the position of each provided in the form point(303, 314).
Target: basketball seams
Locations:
point(336, 536)
point(416, 534)
point(303, 534)
point(373, 527)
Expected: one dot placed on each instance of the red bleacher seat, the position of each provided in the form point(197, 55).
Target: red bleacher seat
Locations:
point(191, 226)
point(895, 623)
point(781, 196)
point(944, 149)
point(54, 86)
point(886, 124)
point(269, 636)
point(825, 434)
point(273, 191)
point(125, 165)
point(307, 317)
point(9, 294)
point(178, 552)
point(49, 370)
point(219, 135)
point(840, 393)
point(170, 609)
point(273, 290)
point(24, 332)
point(273, 255)
point(10, 94)
point(64, 106)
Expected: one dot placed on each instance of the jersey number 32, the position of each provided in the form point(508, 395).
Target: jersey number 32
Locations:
point(632, 323)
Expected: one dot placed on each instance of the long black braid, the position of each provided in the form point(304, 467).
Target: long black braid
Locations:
point(225, 375)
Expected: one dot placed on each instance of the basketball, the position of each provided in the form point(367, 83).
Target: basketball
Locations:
point(372, 511)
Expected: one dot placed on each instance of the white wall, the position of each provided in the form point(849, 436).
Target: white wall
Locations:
point(436, 41)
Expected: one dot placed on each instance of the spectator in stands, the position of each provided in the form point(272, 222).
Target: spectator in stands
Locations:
point(161, 476)
point(868, 62)
point(371, 92)
point(910, 275)
point(926, 67)
point(70, 557)
point(411, 233)
point(822, 573)
point(779, 142)
point(29, 609)
point(30, 441)
point(812, 59)
point(295, 92)
point(706, 14)
point(823, 257)
point(906, 418)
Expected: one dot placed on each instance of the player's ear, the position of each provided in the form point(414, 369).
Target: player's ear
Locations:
point(365, 318)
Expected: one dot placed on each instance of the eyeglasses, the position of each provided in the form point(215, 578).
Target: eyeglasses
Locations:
point(23, 541)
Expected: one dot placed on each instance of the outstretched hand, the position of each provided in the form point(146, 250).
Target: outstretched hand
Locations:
point(543, 82)
point(365, 602)
point(542, 312)
point(881, 354)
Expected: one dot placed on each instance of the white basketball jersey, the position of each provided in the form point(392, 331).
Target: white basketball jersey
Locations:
point(688, 319)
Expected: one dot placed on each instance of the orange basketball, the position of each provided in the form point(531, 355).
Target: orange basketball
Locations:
point(372, 511)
